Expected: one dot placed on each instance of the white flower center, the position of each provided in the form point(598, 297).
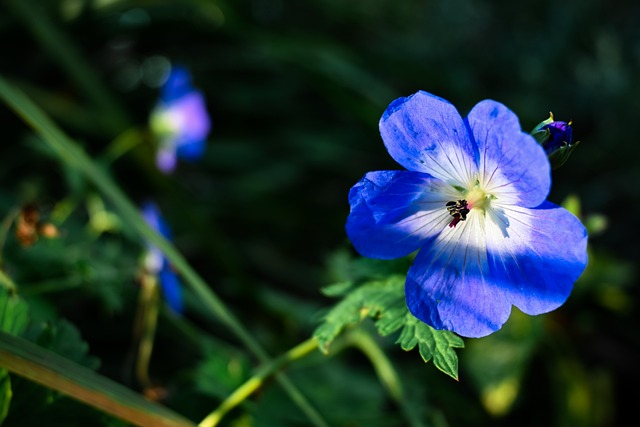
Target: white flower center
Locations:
point(478, 199)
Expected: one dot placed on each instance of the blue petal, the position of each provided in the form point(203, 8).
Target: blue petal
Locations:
point(171, 288)
point(544, 253)
point(152, 216)
point(192, 149)
point(177, 85)
point(467, 282)
point(425, 133)
point(190, 116)
point(512, 165)
point(393, 212)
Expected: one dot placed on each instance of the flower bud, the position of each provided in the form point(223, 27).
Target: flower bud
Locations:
point(556, 139)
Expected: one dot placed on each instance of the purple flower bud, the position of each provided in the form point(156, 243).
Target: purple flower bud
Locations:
point(560, 134)
point(555, 136)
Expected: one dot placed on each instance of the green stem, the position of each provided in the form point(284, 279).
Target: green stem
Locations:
point(71, 154)
point(123, 143)
point(146, 323)
point(256, 381)
point(385, 371)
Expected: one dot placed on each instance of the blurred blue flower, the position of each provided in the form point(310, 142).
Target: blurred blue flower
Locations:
point(180, 120)
point(473, 203)
point(156, 263)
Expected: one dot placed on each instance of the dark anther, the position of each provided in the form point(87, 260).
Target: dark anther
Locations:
point(458, 210)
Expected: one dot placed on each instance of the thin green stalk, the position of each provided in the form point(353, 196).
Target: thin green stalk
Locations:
point(146, 322)
point(71, 154)
point(385, 371)
point(256, 381)
point(122, 144)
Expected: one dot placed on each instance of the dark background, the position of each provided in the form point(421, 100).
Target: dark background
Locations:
point(295, 91)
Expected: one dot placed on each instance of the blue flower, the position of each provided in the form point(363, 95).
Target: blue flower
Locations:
point(156, 264)
point(180, 120)
point(473, 203)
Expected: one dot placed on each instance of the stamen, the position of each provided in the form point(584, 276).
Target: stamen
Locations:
point(458, 210)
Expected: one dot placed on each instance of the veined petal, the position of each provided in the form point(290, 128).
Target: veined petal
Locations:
point(449, 286)
point(541, 253)
point(393, 212)
point(467, 279)
point(512, 165)
point(425, 133)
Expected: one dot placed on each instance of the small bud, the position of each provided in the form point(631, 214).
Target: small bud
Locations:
point(48, 230)
point(556, 139)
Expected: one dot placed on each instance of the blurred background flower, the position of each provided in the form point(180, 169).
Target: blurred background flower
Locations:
point(180, 121)
point(157, 265)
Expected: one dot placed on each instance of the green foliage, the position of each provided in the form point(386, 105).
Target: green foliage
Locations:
point(5, 394)
point(383, 301)
point(220, 372)
point(14, 313)
point(59, 336)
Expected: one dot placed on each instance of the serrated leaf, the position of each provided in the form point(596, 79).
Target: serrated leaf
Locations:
point(62, 338)
point(14, 313)
point(337, 289)
point(384, 301)
point(365, 301)
point(432, 344)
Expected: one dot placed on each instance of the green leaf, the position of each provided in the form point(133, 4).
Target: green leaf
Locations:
point(384, 301)
point(62, 338)
point(337, 289)
point(432, 344)
point(364, 301)
point(5, 394)
point(51, 370)
point(14, 313)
